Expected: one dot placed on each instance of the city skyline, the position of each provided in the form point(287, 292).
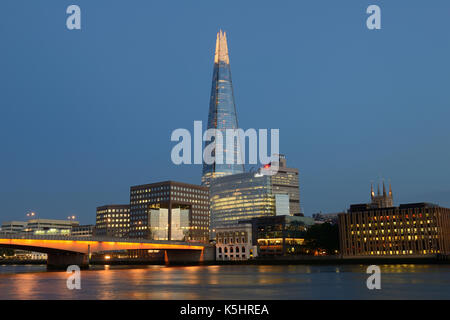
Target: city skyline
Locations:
point(80, 141)
point(225, 158)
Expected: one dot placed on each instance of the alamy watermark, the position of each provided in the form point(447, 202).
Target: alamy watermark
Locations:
point(74, 280)
point(373, 22)
point(374, 281)
point(224, 141)
point(73, 22)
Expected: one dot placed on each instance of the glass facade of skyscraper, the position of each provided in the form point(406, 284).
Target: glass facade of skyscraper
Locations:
point(222, 114)
point(247, 195)
point(240, 197)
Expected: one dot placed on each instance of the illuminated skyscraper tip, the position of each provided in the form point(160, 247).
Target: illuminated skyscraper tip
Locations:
point(221, 53)
point(222, 112)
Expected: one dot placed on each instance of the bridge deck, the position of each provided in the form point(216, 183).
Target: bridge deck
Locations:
point(90, 244)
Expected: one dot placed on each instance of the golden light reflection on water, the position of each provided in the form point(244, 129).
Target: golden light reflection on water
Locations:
point(105, 279)
point(228, 282)
point(214, 275)
point(402, 268)
point(24, 286)
point(28, 286)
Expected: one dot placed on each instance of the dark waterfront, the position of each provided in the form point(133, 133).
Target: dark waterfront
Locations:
point(228, 282)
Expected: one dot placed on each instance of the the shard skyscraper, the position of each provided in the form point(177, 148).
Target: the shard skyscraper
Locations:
point(222, 113)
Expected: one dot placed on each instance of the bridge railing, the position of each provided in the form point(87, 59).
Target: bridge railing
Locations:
point(28, 236)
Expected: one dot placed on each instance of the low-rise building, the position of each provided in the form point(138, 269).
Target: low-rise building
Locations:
point(29, 255)
point(50, 227)
point(82, 231)
point(235, 243)
point(280, 235)
point(13, 227)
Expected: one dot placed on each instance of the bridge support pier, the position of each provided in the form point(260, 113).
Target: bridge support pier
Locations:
point(60, 261)
point(189, 257)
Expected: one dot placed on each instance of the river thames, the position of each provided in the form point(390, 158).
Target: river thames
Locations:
point(228, 282)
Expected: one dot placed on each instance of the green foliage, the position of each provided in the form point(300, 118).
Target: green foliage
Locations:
point(323, 236)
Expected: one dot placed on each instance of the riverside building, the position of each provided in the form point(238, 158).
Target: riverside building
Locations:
point(235, 242)
point(414, 229)
point(50, 227)
point(169, 210)
point(250, 195)
point(241, 197)
point(13, 227)
point(280, 235)
point(112, 221)
point(83, 231)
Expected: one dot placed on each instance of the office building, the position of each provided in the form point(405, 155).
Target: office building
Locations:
point(280, 235)
point(241, 197)
point(50, 227)
point(248, 195)
point(415, 229)
point(222, 113)
point(235, 242)
point(13, 227)
point(169, 210)
point(113, 221)
point(286, 184)
point(82, 231)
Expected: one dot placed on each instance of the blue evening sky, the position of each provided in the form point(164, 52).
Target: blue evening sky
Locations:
point(86, 114)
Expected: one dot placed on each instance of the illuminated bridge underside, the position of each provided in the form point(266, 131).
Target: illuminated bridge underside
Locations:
point(65, 251)
point(89, 245)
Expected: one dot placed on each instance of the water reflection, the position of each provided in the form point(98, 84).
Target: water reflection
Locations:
point(228, 282)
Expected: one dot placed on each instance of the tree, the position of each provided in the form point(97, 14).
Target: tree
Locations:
point(323, 236)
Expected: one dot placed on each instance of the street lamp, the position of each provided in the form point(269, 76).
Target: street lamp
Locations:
point(31, 214)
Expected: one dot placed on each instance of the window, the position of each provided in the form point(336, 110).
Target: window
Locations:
point(243, 249)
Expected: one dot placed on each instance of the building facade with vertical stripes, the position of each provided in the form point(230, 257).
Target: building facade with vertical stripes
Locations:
point(416, 229)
